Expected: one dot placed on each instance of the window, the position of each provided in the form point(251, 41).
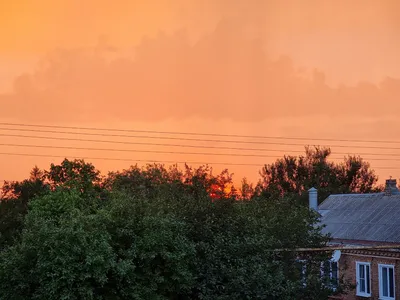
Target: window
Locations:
point(302, 268)
point(386, 282)
point(304, 274)
point(363, 276)
point(330, 272)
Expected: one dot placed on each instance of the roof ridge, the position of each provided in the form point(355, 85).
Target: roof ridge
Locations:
point(357, 194)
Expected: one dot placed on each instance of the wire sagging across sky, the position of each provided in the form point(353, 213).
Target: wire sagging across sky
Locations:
point(166, 152)
point(193, 139)
point(199, 134)
point(73, 137)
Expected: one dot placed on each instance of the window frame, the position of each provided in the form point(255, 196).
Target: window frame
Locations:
point(380, 268)
point(324, 274)
point(303, 271)
point(358, 292)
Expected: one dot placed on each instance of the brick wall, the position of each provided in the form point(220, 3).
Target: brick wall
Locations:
point(347, 268)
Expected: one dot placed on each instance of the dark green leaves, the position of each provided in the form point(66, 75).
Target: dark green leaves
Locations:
point(158, 234)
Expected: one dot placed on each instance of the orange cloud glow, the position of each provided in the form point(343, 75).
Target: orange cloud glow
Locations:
point(294, 68)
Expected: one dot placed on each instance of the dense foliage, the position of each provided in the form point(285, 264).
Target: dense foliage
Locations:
point(158, 233)
point(295, 175)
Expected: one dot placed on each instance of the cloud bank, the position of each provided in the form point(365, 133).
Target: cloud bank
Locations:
point(227, 74)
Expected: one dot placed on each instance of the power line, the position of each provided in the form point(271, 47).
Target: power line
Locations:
point(152, 161)
point(183, 145)
point(200, 134)
point(137, 143)
point(150, 137)
point(162, 152)
point(199, 140)
point(131, 160)
point(135, 150)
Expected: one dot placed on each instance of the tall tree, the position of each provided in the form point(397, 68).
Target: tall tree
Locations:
point(15, 196)
point(76, 174)
point(247, 190)
point(161, 249)
point(357, 176)
point(161, 234)
point(27, 189)
point(65, 251)
point(293, 175)
point(154, 179)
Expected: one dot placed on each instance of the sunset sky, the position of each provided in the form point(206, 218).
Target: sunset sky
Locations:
point(305, 68)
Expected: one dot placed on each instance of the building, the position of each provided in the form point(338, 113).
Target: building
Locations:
point(366, 229)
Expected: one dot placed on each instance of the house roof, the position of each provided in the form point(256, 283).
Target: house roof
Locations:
point(368, 217)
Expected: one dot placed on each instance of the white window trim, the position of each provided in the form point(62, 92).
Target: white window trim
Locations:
point(359, 293)
point(381, 297)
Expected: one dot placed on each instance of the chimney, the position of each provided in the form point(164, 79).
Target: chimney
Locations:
point(391, 187)
point(313, 198)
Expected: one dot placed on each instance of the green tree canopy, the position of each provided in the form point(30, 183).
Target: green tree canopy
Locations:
point(155, 179)
point(163, 233)
point(15, 195)
point(168, 247)
point(14, 200)
point(293, 175)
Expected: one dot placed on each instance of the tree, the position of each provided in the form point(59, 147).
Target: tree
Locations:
point(16, 195)
point(26, 189)
point(160, 234)
point(152, 247)
point(65, 251)
point(148, 181)
point(247, 189)
point(125, 251)
point(232, 239)
point(295, 175)
point(235, 258)
point(75, 174)
point(14, 204)
point(357, 176)
point(154, 180)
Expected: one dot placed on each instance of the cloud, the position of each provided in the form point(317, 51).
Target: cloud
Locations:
point(226, 74)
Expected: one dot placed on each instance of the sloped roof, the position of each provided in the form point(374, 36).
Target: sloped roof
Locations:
point(364, 217)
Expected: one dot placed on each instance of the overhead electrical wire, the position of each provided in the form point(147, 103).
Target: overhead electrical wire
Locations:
point(150, 161)
point(134, 150)
point(182, 145)
point(163, 152)
point(219, 147)
point(131, 160)
point(135, 143)
point(188, 146)
point(197, 140)
point(198, 133)
point(150, 137)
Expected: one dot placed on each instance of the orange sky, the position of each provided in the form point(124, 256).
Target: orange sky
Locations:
point(293, 68)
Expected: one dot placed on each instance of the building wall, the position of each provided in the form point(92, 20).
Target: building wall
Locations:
point(347, 268)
